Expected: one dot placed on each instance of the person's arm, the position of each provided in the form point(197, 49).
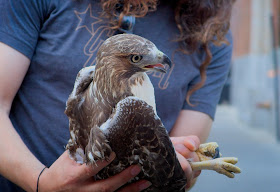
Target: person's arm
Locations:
point(20, 166)
point(13, 67)
point(192, 123)
point(191, 128)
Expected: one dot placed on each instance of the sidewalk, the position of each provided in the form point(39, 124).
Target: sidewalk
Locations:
point(257, 151)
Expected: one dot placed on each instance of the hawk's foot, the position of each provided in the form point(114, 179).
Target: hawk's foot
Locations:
point(210, 158)
point(225, 165)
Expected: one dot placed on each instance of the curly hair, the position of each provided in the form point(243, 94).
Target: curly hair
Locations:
point(200, 22)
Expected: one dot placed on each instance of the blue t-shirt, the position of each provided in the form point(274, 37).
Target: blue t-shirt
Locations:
point(61, 37)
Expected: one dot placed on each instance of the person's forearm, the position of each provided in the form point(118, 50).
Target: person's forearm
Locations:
point(191, 128)
point(18, 164)
point(192, 123)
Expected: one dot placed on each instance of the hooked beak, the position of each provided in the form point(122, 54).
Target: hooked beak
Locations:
point(160, 66)
point(166, 61)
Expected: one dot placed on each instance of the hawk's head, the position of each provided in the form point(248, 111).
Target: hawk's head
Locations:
point(122, 61)
point(129, 54)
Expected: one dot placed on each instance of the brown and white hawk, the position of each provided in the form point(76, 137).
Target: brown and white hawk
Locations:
point(112, 108)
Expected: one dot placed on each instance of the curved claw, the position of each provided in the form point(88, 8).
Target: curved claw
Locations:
point(217, 153)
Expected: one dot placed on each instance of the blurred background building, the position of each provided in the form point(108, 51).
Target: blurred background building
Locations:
point(247, 121)
point(253, 85)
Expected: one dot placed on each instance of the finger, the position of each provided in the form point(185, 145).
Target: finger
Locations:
point(115, 182)
point(187, 170)
point(190, 174)
point(191, 184)
point(196, 174)
point(192, 142)
point(189, 156)
point(185, 166)
point(183, 150)
point(87, 171)
point(137, 186)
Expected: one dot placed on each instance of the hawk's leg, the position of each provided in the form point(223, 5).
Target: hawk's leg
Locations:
point(210, 158)
point(98, 146)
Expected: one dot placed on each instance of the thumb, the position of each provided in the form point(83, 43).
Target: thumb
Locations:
point(192, 142)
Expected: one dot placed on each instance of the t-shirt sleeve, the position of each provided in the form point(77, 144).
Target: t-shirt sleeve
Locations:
point(20, 23)
point(206, 98)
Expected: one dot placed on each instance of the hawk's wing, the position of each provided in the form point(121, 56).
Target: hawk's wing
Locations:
point(137, 136)
point(78, 136)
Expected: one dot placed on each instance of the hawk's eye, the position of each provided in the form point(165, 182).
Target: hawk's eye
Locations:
point(135, 58)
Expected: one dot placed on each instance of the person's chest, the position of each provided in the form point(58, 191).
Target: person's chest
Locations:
point(73, 31)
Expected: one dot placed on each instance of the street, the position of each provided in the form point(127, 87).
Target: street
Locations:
point(257, 151)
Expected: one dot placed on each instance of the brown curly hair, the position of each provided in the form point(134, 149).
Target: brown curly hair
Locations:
point(199, 22)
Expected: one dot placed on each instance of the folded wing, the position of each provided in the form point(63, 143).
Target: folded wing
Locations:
point(137, 136)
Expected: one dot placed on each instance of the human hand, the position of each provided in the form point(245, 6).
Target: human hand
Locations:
point(185, 148)
point(67, 175)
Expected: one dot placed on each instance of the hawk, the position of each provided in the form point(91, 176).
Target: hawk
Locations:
point(112, 108)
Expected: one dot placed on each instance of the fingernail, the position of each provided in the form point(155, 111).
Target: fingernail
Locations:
point(144, 185)
point(192, 143)
point(135, 170)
